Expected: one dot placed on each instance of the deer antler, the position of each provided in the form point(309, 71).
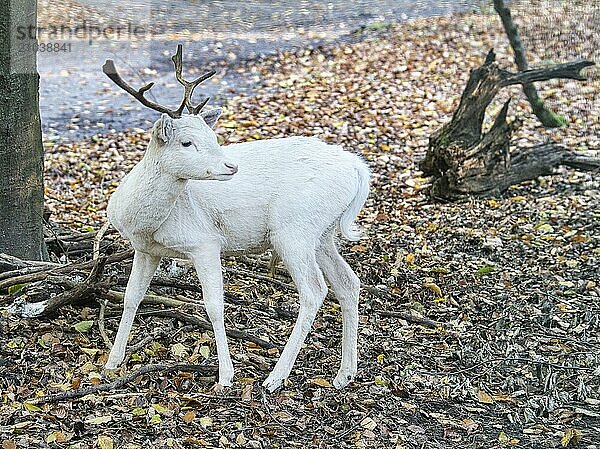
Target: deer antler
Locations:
point(189, 86)
point(110, 70)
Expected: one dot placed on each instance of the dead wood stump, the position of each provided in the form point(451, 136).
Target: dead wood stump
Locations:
point(465, 161)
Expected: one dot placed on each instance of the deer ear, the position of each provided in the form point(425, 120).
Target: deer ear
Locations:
point(163, 128)
point(211, 117)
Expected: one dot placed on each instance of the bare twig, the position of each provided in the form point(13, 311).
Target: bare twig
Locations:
point(272, 280)
point(13, 266)
point(499, 360)
point(233, 333)
point(72, 237)
point(117, 297)
point(61, 269)
point(156, 334)
point(90, 285)
point(276, 421)
point(124, 380)
point(95, 256)
point(411, 318)
point(176, 283)
point(98, 239)
point(101, 327)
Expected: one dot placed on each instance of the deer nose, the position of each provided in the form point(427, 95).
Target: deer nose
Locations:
point(232, 167)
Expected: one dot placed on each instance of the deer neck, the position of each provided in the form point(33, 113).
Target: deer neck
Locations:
point(147, 197)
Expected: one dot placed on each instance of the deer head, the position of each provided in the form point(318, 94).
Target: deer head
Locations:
point(184, 144)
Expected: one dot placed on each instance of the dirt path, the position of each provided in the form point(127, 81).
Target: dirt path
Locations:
point(77, 100)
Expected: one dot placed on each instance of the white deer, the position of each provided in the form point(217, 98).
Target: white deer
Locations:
point(290, 195)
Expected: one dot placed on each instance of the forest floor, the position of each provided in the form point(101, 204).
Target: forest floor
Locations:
point(509, 355)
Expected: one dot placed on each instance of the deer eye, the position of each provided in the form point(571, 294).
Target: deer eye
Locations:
point(186, 144)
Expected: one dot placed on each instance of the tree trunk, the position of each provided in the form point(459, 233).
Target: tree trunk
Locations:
point(548, 118)
point(464, 161)
point(21, 151)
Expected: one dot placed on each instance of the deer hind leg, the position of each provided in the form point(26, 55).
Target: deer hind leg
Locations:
point(300, 260)
point(144, 266)
point(346, 285)
point(208, 268)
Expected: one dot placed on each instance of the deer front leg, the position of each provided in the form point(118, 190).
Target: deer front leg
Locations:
point(144, 266)
point(208, 267)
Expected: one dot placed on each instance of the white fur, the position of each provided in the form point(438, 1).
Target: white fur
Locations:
point(289, 195)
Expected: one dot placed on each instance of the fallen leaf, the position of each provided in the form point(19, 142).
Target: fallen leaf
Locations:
point(156, 419)
point(368, 423)
point(83, 326)
point(485, 269)
point(99, 420)
point(31, 407)
point(206, 421)
point(205, 351)
point(105, 442)
point(320, 382)
point(571, 437)
point(469, 425)
point(159, 408)
point(484, 397)
point(247, 393)
point(178, 350)
point(188, 417)
point(433, 287)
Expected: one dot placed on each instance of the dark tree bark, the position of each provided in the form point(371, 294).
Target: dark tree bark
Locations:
point(548, 118)
point(464, 161)
point(21, 151)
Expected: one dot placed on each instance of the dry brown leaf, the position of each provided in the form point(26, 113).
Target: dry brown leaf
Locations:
point(321, 382)
point(188, 417)
point(484, 397)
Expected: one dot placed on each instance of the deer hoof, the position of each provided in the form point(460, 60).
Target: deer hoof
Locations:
point(342, 379)
point(272, 383)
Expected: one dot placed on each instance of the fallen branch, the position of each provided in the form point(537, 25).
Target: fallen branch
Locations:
point(155, 300)
point(117, 297)
point(403, 315)
point(72, 237)
point(411, 318)
point(262, 277)
point(13, 266)
point(98, 240)
point(101, 327)
point(229, 298)
point(498, 360)
point(156, 335)
point(545, 115)
point(568, 70)
point(74, 292)
point(175, 283)
point(44, 272)
point(233, 333)
point(124, 380)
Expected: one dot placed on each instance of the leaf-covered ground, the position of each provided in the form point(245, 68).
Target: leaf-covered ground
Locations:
point(512, 281)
